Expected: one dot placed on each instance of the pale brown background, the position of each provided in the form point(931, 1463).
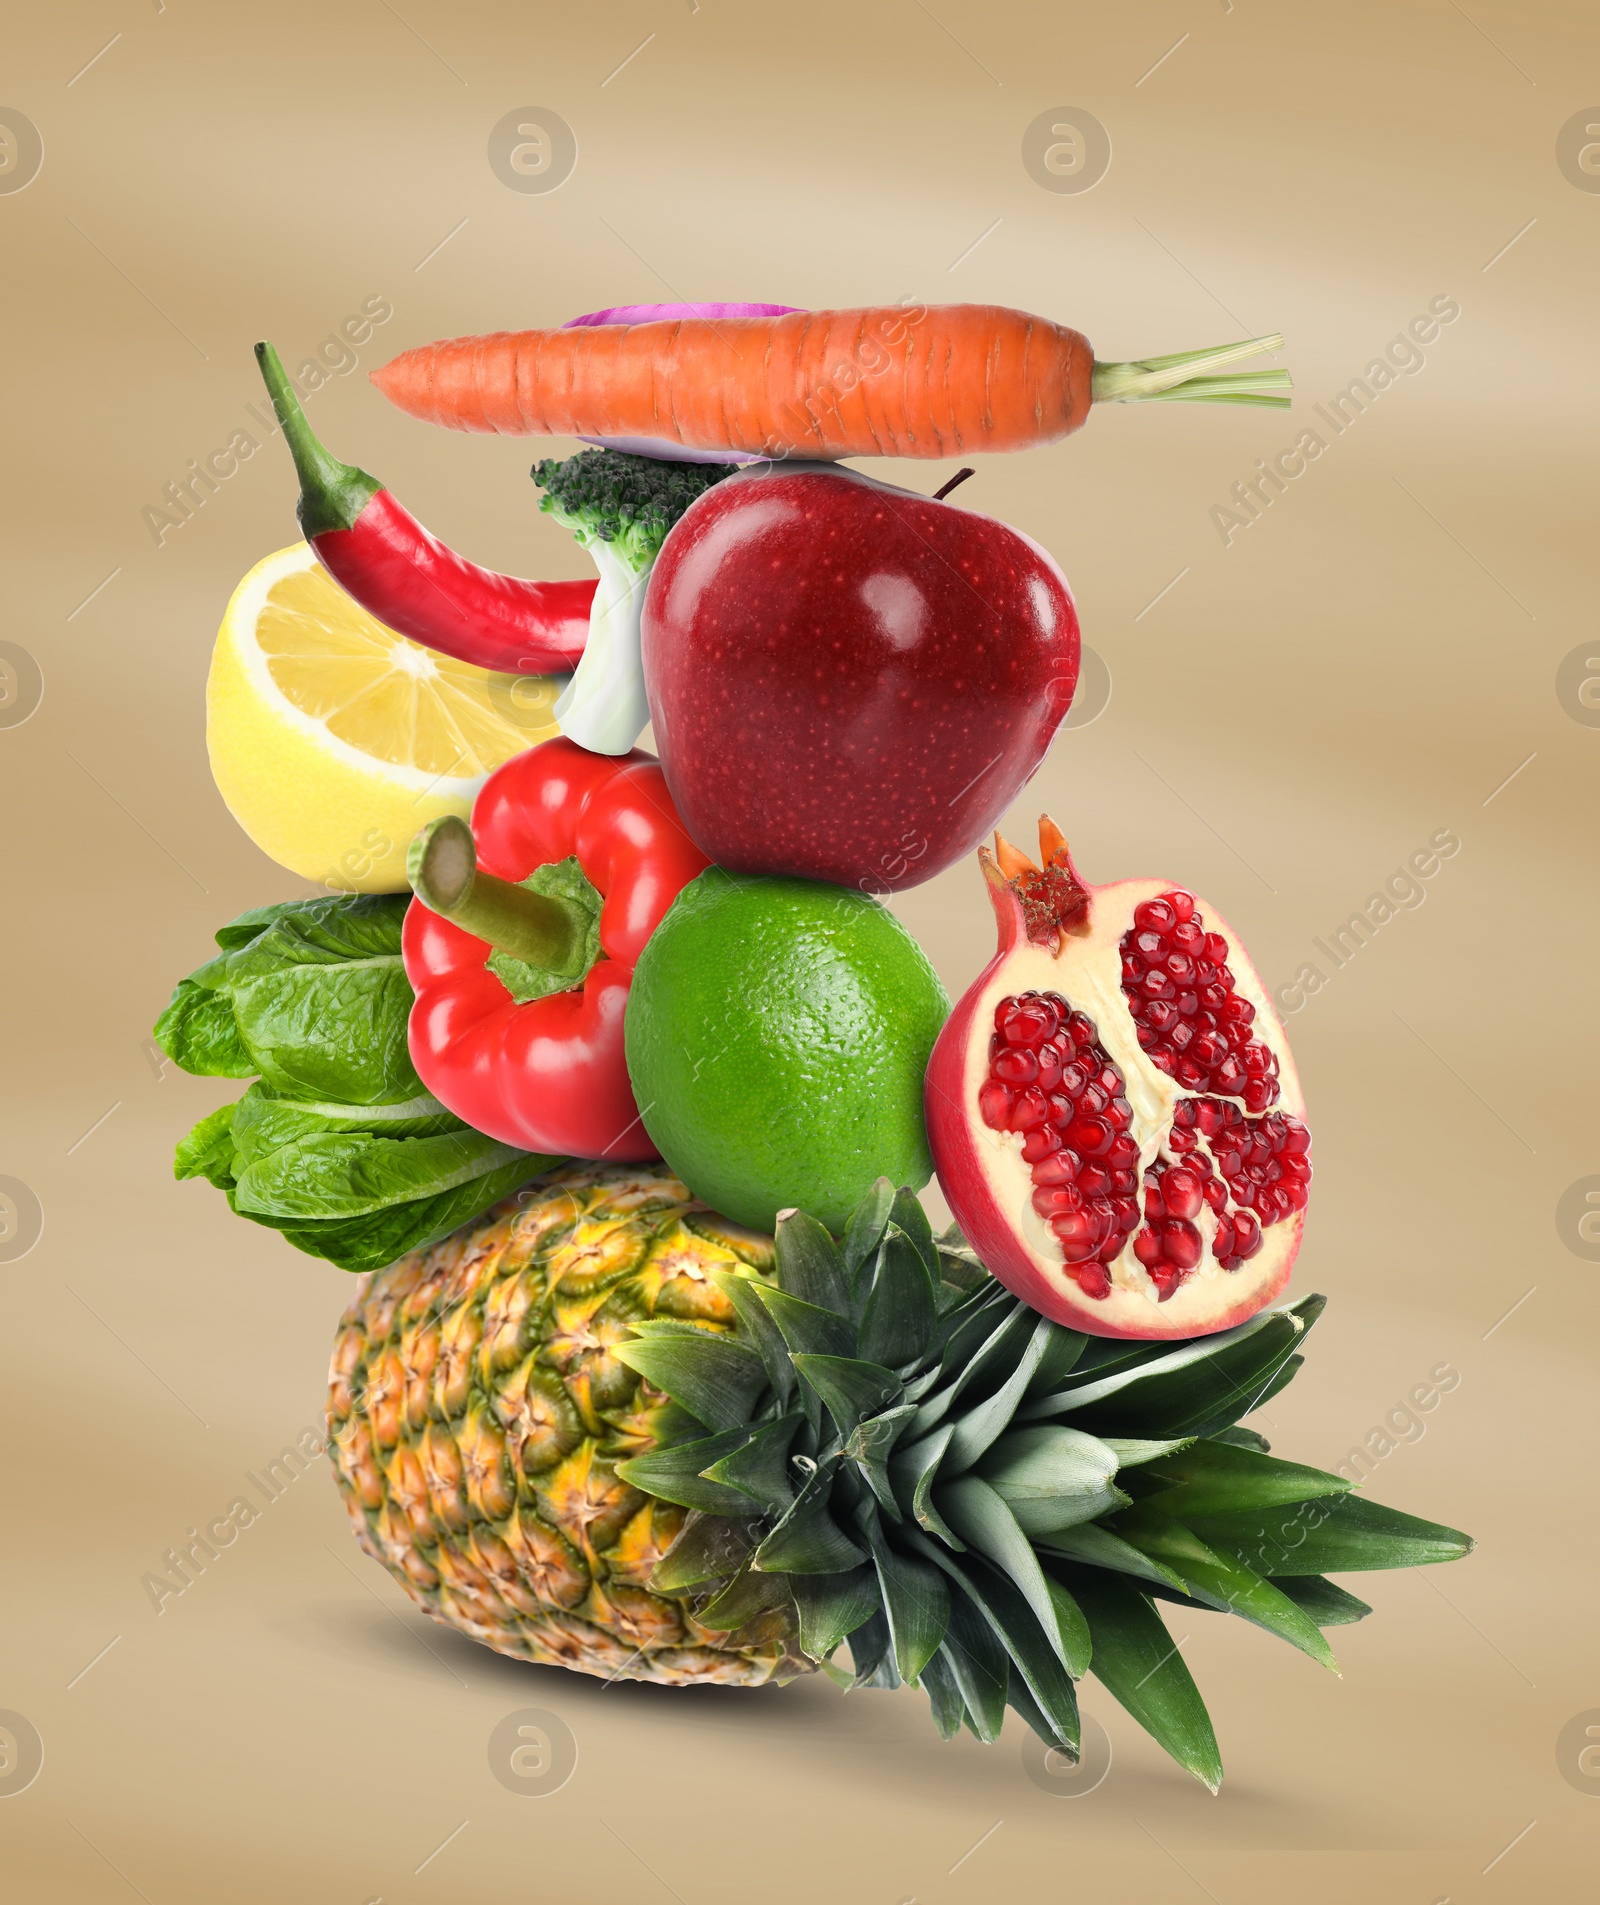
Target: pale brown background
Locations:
point(1300, 711)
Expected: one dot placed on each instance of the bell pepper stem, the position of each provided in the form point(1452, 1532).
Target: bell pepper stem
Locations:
point(332, 494)
point(539, 928)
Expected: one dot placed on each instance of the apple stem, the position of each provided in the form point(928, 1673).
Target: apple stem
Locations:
point(960, 477)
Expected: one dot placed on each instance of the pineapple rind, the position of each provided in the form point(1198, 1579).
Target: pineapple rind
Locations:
point(476, 1414)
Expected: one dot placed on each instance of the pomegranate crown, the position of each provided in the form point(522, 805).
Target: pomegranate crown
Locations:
point(1050, 897)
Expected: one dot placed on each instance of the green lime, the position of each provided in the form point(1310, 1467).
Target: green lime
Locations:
point(777, 1034)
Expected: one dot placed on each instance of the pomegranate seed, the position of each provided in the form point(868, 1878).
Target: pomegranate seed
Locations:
point(1132, 969)
point(1246, 1234)
point(1180, 1244)
point(1092, 1100)
point(1094, 1180)
point(1040, 1142)
point(1060, 1110)
point(1222, 1243)
point(1093, 1281)
point(1209, 1050)
point(1181, 1140)
point(1049, 1062)
point(1181, 967)
point(1239, 1011)
point(1031, 1108)
point(1090, 1137)
point(1061, 1167)
point(1118, 1114)
point(1127, 1209)
point(994, 1106)
point(1057, 1200)
point(1189, 1074)
point(1073, 1079)
point(1122, 1153)
point(1189, 936)
point(1016, 1066)
point(1216, 949)
point(1082, 1029)
point(1157, 916)
point(1162, 1014)
point(1148, 1037)
point(1180, 1037)
point(1147, 1248)
point(1296, 1138)
point(1180, 1190)
point(1188, 1004)
point(1210, 1117)
point(1124, 1183)
point(1214, 996)
point(1216, 1194)
point(1259, 1093)
point(1230, 1074)
point(1156, 984)
point(1182, 904)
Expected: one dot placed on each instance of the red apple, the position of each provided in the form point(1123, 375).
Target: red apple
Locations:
point(848, 681)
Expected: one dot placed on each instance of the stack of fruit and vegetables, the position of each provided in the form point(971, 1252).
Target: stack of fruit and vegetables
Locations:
point(619, 1081)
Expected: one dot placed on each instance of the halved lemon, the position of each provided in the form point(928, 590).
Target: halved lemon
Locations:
point(333, 739)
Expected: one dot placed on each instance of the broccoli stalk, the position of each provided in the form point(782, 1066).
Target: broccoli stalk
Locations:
point(620, 508)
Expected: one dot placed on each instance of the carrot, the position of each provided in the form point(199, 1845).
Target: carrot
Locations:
point(929, 381)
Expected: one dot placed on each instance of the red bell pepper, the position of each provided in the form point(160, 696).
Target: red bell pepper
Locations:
point(379, 553)
point(517, 1025)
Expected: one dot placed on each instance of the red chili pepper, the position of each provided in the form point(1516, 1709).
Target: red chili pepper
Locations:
point(383, 557)
point(546, 1073)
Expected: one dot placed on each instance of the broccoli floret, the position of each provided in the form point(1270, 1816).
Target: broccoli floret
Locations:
point(620, 508)
point(628, 501)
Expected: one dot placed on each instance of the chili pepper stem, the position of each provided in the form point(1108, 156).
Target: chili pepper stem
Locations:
point(332, 494)
point(539, 928)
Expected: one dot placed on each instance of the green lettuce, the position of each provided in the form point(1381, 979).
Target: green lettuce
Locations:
point(337, 1144)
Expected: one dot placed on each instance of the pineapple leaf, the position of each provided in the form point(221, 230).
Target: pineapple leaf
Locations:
point(872, 1650)
point(1134, 1454)
point(708, 1548)
point(1337, 1534)
point(760, 1467)
point(1327, 1604)
point(978, 1661)
point(898, 1305)
point(809, 1264)
point(1102, 1549)
point(979, 1427)
point(832, 1607)
point(1245, 1438)
point(915, 1469)
point(849, 1389)
point(808, 1540)
point(743, 1599)
point(944, 1696)
point(715, 1378)
point(916, 1603)
point(868, 1220)
point(1199, 1388)
point(806, 1327)
point(744, 1293)
point(1223, 1582)
point(1052, 1477)
point(869, 1449)
point(1139, 1664)
point(1021, 1700)
point(1216, 1478)
point(673, 1474)
point(1292, 1366)
point(1017, 1630)
point(979, 1341)
point(912, 1219)
point(979, 1514)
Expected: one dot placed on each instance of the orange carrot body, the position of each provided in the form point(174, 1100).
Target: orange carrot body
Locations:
point(921, 381)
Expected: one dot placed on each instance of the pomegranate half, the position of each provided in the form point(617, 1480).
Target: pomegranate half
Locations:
point(1113, 1110)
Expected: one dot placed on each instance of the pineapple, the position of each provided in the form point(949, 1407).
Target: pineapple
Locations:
point(604, 1428)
